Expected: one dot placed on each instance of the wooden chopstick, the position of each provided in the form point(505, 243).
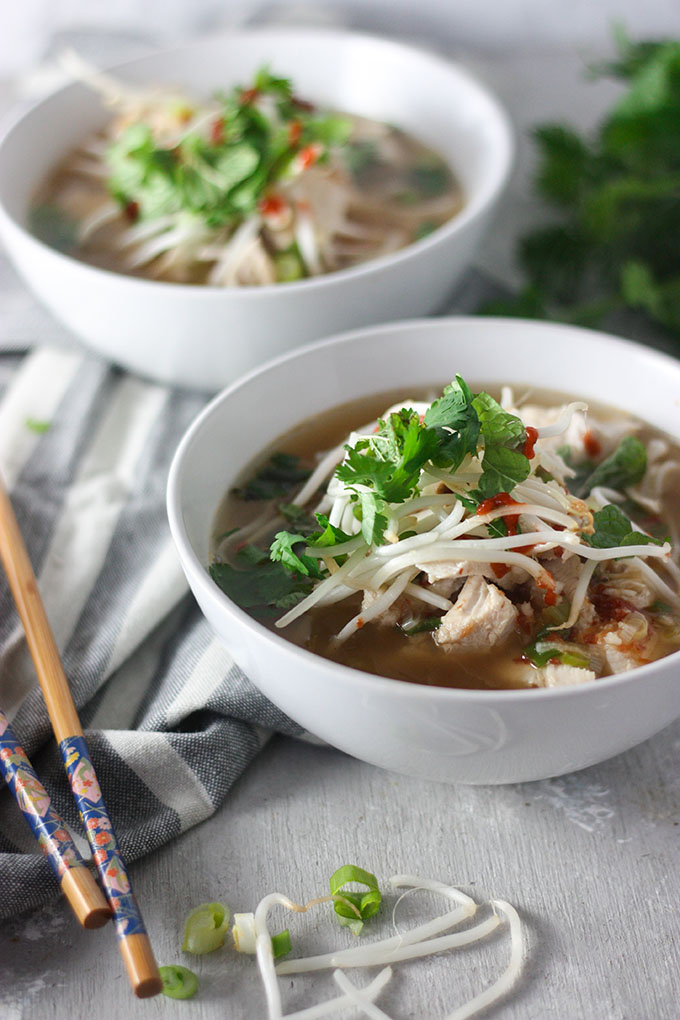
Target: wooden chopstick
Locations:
point(77, 883)
point(132, 937)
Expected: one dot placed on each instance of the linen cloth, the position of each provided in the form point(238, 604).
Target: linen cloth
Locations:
point(170, 720)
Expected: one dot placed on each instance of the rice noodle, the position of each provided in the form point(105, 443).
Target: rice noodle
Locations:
point(579, 597)
point(381, 605)
point(358, 998)
point(429, 597)
point(509, 976)
point(324, 1009)
point(563, 422)
point(327, 463)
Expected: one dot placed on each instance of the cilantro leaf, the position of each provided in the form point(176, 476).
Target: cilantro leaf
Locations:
point(373, 521)
point(298, 516)
point(391, 460)
point(498, 426)
point(452, 409)
point(503, 470)
point(260, 587)
point(360, 468)
point(455, 423)
point(624, 467)
point(277, 477)
point(282, 551)
point(612, 528)
point(330, 535)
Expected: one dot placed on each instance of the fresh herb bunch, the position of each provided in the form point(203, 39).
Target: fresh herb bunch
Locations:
point(616, 240)
point(385, 468)
point(222, 169)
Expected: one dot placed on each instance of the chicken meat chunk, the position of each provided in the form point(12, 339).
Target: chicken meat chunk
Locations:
point(481, 618)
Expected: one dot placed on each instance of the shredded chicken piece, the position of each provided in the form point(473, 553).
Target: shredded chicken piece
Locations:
point(482, 617)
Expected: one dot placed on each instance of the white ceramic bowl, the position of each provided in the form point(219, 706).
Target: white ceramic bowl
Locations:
point(445, 734)
point(206, 336)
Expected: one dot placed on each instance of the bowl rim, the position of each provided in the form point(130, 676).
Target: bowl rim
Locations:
point(192, 564)
point(470, 211)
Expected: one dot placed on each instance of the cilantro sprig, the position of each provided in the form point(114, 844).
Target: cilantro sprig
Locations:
point(385, 468)
point(256, 583)
point(612, 528)
point(615, 240)
point(220, 175)
point(626, 466)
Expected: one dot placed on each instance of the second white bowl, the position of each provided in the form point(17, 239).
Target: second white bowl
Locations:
point(201, 336)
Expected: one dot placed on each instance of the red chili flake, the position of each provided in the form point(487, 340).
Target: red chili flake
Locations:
point(493, 502)
point(501, 499)
point(524, 548)
point(271, 205)
point(131, 211)
point(294, 132)
point(530, 442)
point(592, 445)
point(249, 96)
point(500, 569)
point(217, 131)
point(548, 586)
point(308, 156)
point(360, 623)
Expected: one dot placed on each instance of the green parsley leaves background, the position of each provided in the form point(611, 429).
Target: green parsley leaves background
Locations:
point(614, 244)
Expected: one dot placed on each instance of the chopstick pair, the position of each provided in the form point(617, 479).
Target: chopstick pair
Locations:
point(132, 937)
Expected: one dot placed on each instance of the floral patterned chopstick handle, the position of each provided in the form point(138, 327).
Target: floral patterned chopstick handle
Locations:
point(101, 837)
point(35, 804)
point(77, 883)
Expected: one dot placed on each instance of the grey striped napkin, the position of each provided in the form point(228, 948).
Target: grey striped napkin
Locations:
point(170, 719)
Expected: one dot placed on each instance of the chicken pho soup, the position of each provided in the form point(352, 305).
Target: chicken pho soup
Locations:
point(254, 186)
point(513, 540)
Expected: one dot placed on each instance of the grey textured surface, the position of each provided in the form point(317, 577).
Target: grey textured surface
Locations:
point(590, 861)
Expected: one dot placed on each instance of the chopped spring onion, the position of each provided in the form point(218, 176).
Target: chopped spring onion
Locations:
point(354, 905)
point(178, 982)
point(39, 427)
point(543, 652)
point(205, 928)
point(281, 944)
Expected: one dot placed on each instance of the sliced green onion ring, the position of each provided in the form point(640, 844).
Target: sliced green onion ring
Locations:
point(178, 982)
point(354, 905)
point(205, 928)
point(281, 944)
